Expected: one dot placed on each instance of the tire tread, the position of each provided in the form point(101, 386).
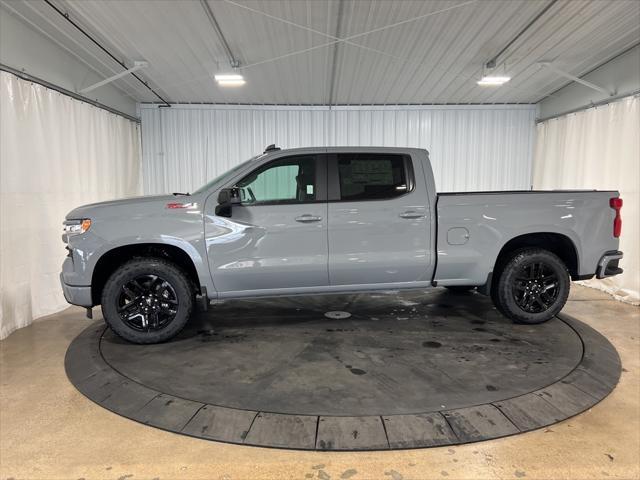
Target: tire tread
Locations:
point(177, 323)
point(501, 294)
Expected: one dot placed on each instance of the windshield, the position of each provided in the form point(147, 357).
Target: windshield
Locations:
point(222, 178)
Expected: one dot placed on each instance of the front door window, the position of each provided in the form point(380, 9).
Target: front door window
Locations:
point(290, 180)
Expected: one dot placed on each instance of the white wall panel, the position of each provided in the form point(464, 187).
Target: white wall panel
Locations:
point(599, 148)
point(472, 148)
point(56, 153)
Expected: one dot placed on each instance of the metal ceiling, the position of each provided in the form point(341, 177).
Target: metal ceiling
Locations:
point(326, 52)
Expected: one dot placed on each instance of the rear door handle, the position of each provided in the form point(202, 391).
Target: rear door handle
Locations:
point(308, 218)
point(411, 214)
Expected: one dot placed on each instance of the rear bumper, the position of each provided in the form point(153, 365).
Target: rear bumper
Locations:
point(76, 295)
point(608, 264)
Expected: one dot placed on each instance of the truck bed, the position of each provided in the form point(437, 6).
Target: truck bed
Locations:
point(473, 227)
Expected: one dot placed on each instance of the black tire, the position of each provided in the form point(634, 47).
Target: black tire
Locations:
point(165, 291)
point(532, 287)
point(458, 288)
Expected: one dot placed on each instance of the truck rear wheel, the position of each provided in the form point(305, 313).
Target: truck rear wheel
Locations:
point(147, 300)
point(532, 287)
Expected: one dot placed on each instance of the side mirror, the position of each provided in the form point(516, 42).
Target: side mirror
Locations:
point(226, 198)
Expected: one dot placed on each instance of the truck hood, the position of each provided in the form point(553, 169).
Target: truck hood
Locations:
point(127, 206)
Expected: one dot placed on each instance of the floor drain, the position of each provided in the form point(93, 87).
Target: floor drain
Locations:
point(337, 315)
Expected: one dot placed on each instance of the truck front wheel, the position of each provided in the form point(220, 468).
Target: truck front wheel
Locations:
point(147, 300)
point(532, 287)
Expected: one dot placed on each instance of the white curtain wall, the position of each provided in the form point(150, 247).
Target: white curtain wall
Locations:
point(56, 153)
point(599, 148)
point(472, 147)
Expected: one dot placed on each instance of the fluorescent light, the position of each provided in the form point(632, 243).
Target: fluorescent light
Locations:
point(231, 83)
point(489, 80)
point(225, 77)
point(230, 80)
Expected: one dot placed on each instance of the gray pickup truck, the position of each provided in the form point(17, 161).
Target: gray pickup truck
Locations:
point(325, 220)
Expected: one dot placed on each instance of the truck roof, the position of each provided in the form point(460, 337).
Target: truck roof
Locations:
point(338, 149)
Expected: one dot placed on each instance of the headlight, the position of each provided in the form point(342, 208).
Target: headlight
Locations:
point(73, 227)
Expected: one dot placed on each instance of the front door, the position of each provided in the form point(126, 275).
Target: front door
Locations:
point(379, 225)
point(277, 237)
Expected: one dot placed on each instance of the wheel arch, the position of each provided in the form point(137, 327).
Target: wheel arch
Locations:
point(556, 243)
point(117, 256)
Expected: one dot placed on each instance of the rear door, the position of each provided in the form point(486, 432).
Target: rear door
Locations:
point(379, 221)
point(277, 237)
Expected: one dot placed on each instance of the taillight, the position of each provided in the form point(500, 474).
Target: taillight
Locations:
point(616, 204)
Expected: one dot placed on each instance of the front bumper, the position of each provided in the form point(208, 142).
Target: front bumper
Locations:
point(76, 295)
point(608, 264)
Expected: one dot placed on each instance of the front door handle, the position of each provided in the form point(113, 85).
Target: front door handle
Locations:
point(411, 214)
point(308, 218)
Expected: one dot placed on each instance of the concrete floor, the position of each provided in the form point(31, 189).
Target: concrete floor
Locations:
point(49, 430)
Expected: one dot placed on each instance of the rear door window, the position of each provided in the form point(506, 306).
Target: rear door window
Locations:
point(367, 176)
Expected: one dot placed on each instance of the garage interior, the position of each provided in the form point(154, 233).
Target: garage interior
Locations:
point(103, 100)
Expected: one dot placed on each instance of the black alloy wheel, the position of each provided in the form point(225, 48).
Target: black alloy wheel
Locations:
point(536, 288)
point(532, 286)
point(147, 303)
point(147, 300)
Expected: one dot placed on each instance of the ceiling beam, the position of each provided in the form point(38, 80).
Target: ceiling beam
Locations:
point(579, 80)
point(592, 69)
point(334, 61)
point(492, 62)
point(136, 66)
point(233, 60)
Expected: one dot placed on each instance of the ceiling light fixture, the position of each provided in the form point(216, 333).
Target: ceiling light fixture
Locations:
point(493, 80)
point(492, 76)
point(489, 76)
point(230, 80)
